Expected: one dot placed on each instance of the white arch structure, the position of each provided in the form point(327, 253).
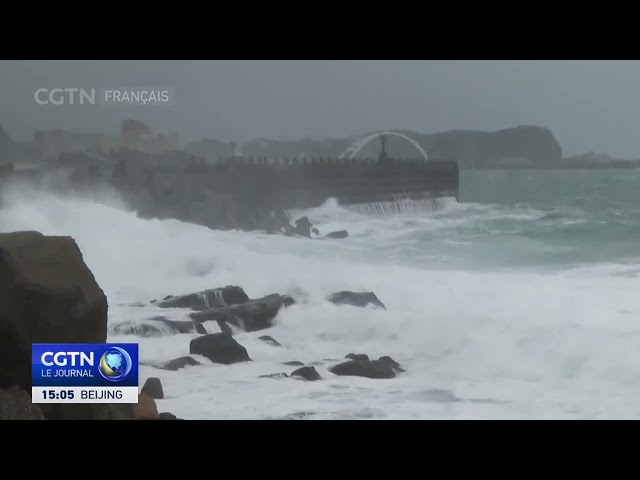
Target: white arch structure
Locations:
point(359, 144)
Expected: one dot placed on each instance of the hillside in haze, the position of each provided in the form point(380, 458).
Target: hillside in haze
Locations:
point(525, 146)
point(522, 145)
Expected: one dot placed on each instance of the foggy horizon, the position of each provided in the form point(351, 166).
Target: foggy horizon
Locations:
point(588, 105)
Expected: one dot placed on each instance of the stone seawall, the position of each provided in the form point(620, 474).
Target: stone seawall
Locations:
point(240, 194)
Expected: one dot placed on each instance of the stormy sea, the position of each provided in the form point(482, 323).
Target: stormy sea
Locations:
point(520, 301)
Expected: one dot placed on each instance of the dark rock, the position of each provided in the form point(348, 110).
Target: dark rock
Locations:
point(155, 327)
point(168, 416)
point(216, 297)
point(153, 388)
point(274, 375)
point(377, 369)
point(358, 356)
point(338, 234)
point(303, 227)
point(178, 363)
point(270, 340)
point(48, 295)
point(294, 363)
point(250, 316)
point(308, 373)
point(315, 231)
point(15, 404)
point(219, 348)
point(224, 327)
point(356, 299)
point(392, 363)
point(200, 329)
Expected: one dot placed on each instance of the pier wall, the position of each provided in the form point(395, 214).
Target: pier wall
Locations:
point(248, 189)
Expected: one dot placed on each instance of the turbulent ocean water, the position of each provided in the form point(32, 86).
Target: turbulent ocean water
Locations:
point(521, 301)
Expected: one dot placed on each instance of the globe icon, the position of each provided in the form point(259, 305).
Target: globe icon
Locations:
point(115, 364)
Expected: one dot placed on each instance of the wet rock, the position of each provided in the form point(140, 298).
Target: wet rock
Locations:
point(224, 327)
point(15, 404)
point(155, 327)
point(168, 416)
point(153, 388)
point(146, 408)
point(219, 348)
point(392, 363)
point(307, 373)
point(275, 375)
point(356, 299)
point(337, 235)
point(249, 317)
point(375, 369)
point(358, 356)
point(200, 329)
point(48, 295)
point(303, 227)
point(294, 363)
point(270, 340)
point(215, 297)
point(178, 363)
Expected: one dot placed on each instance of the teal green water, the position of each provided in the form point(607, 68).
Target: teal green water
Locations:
point(524, 219)
point(554, 219)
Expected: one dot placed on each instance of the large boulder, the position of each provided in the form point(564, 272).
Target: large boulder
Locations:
point(219, 348)
point(215, 297)
point(356, 299)
point(15, 404)
point(250, 316)
point(47, 295)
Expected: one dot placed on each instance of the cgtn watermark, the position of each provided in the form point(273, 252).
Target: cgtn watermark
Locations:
point(84, 373)
point(114, 96)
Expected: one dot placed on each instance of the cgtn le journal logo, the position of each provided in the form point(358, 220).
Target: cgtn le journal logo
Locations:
point(84, 373)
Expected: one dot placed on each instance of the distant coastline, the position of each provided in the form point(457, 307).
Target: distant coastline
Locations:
point(517, 148)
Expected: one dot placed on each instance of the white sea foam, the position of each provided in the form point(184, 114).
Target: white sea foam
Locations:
point(516, 342)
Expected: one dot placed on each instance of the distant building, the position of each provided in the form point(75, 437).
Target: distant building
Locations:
point(134, 135)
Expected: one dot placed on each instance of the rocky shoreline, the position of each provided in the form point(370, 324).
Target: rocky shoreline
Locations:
point(49, 295)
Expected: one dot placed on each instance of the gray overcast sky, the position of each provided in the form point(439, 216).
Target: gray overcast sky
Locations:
point(589, 105)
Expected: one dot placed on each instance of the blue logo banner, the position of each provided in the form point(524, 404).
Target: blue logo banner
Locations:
point(84, 365)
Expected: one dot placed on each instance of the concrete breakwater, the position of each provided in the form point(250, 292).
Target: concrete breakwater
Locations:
point(250, 193)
